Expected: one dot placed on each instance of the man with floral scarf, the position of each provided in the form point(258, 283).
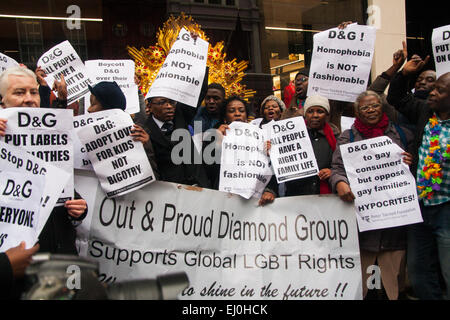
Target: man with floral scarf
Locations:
point(429, 241)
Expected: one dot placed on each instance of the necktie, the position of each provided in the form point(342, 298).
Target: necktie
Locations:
point(167, 128)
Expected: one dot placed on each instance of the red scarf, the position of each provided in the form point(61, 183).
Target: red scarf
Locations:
point(329, 135)
point(372, 131)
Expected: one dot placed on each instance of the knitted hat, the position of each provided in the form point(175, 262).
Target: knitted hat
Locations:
point(317, 101)
point(273, 98)
point(109, 95)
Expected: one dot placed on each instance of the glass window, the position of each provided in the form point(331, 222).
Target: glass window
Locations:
point(29, 38)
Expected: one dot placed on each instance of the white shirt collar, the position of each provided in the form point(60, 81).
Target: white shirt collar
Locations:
point(159, 122)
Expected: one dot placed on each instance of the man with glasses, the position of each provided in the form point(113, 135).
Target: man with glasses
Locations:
point(165, 116)
point(301, 89)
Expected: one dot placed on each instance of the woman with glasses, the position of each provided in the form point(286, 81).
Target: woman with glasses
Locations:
point(384, 247)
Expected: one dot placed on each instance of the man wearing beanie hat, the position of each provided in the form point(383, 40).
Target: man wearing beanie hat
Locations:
point(106, 95)
point(301, 88)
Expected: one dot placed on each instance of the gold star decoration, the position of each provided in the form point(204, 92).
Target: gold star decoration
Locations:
point(149, 60)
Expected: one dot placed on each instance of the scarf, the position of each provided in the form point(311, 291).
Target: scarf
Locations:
point(372, 131)
point(329, 135)
point(431, 173)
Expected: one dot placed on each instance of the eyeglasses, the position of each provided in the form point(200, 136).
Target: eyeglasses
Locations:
point(302, 79)
point(163, 102)
point(372, 106)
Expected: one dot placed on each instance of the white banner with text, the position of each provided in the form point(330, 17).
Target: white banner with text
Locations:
point(230, 247)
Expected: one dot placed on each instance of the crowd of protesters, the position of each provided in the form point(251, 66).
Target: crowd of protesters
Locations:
point(414, 260)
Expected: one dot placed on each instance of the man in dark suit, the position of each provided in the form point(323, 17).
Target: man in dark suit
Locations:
point(166, 116)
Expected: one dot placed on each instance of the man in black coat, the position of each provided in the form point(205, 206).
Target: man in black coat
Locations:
point(185, 165)
point(166, 116)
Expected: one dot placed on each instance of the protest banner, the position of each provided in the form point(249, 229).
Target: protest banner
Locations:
point(120, 163)
point(244, 166)
point(62, 59)
point(181, 76)
point(81, 159)
point(6, 62)
point(341, 62)
point(230, 247)
point(291, 152)
point(440, 39)
point(45, 133)
point(120, 71)
point(384, 188)
point(16, 159)
point(20, 197)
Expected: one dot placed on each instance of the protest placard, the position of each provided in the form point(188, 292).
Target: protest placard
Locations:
point(62, 59)
point(384, 188)
point(16, 159)
point(441, 49)
point(6, 62)
point(244, 166)
point(181, 76)
point(341, 62)
point(230, 247)
point(45, 133)
point(120, 71)
point(20, 197)
point(291, 150)
point(81, 159)
point(120, 163)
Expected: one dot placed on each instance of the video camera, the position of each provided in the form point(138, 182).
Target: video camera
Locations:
point(69, 277)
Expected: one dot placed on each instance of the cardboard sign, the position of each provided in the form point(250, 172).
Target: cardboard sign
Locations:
point(47, 134)
point(121, 164)
point(120, 71)
point(384, 188)
point(341, 62)
point(244, 168)
point(181, 76)
point(63, 59)
point(291, 150)
point(441, 49)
